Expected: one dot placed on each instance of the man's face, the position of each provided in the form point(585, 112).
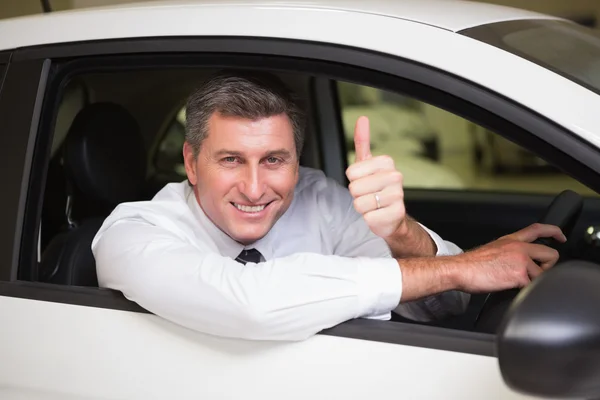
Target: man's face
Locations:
point(245, 174)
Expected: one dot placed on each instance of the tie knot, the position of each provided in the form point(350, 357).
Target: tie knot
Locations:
point(250, 255)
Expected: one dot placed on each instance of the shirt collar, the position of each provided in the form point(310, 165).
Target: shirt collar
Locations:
point(225, 244)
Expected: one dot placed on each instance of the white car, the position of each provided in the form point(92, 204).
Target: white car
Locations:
point(88, 107)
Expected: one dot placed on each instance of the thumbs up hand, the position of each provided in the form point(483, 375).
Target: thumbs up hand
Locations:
point(376, 186)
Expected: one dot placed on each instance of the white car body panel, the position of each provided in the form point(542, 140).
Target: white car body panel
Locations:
point(450, 15)
point(80, 352)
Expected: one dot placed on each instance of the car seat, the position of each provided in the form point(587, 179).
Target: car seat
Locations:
point(104, 164)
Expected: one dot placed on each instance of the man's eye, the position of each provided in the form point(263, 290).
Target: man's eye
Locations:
point(229, 159)
point(272, 160)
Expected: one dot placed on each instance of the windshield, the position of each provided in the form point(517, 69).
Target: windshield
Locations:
point(564, 47)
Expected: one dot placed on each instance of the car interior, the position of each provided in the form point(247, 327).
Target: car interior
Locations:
point(117, 137)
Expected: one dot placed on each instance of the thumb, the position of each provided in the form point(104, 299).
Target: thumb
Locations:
point(362, 139)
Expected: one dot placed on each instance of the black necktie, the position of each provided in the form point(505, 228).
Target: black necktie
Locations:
point(251, 255)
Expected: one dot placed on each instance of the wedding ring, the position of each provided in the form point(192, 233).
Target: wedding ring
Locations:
point(378, 201)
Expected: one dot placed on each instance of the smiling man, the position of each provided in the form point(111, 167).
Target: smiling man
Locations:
point(245, 171)
point(255, 246)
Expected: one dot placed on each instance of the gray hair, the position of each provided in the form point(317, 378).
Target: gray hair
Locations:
point(242, 94)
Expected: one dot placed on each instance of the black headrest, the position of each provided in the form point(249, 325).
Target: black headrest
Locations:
point(104, 154)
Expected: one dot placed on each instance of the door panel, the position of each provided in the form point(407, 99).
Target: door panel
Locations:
point(53, 350)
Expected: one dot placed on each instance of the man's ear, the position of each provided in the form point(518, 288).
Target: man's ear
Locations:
point(190, 163)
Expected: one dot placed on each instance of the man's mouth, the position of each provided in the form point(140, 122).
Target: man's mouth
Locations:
point(250, 209)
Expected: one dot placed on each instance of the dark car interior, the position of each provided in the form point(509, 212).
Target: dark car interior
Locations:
point(117, 138)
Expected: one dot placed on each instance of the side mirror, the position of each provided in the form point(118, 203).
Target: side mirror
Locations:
point(549, 342)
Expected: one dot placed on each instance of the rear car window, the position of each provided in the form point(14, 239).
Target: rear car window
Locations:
point(564, 47)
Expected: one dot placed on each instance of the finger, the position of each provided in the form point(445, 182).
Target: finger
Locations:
point(370, 167)
point(533, 270)
point(536, 231)
point(362, 139)
point(544, 255)
point(387, 197)
point(385, 216)
point(375, 183)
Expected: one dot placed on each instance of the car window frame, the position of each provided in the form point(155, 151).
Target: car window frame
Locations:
point(20, 108)
point(392, 72)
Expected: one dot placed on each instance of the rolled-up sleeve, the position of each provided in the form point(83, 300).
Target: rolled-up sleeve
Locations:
point(288, 298)
point(444, 247)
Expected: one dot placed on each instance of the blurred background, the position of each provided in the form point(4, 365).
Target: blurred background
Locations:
point(433, 148)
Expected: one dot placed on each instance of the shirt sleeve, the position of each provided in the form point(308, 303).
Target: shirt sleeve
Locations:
point(355, 239)
point(289, 298)
point(444, 247)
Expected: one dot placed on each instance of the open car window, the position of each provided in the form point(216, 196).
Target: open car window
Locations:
point(437, 149)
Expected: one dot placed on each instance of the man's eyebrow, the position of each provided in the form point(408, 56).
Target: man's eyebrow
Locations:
point(278, 152)
point(226, 152)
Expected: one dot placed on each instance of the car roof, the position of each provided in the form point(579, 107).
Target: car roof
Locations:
point(451, 15)
point(446, 14)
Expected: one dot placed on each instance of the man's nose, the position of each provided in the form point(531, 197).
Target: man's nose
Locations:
point(253, 187)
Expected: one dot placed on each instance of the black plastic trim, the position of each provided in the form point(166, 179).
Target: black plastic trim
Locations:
point(158, 45)
point(5, 57)
point(3, 68)
point(416, 335)
point(30, 225)
point(75, 295)
point(338, 115)
point(48, 103)
point(331, 138)
point(19, 113)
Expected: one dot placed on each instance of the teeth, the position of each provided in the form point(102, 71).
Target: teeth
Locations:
point(250, 208)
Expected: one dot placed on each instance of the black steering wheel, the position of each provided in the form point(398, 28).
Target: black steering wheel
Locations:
point(564, 211)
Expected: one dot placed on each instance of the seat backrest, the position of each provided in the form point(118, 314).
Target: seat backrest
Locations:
point(68, 259)
point(104, 163)
point(104, 159)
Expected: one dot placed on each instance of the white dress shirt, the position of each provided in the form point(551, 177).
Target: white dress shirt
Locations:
point(322, 266)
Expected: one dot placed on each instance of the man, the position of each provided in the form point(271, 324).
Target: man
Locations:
point(254, 246)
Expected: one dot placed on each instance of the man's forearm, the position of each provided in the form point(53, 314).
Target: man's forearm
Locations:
point(411, 240)
point(426, 276)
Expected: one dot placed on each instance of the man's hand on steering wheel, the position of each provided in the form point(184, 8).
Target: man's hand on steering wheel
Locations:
point(511, 261)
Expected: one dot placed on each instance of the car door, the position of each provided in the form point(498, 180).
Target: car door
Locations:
point(60, 341)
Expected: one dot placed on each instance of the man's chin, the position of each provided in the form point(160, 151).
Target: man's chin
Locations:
point(247, 229)
point(248, 239)
point(247, 236)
